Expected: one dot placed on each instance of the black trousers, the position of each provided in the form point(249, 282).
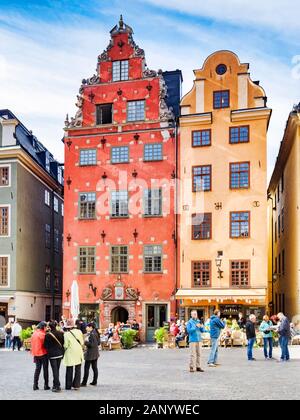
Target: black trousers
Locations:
point(55, 365)
point(16, 340)
point(70, 381)
point(87, 365)
point(41, 362)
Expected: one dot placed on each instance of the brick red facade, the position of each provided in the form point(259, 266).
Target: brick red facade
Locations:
point(136, 289)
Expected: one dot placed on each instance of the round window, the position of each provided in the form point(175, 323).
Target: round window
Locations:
point(221, 69)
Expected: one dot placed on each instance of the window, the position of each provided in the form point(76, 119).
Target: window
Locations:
point(221, 99)
point(239, 134)
point(4, 221)
point(47, 236)
point(47, 198)
point(202, 178)
point(47, 277)
point(282, 220)
point(4, 176)
point(62, 209)
point(201, 273)
point(153, 152)
point(119, 203)
point(47, 313)
point(240, 224)
point(47, 162)
point(153, 202)
point(3, 271)
point(201, 226)
point(60, 175)
point(120, 154)
point(201, 138)
point(87, 205)
point(88, 157)
point(153, 258)
point(55, 204)
point(240, 273)
point(135, 110)
point(87, 260)
point(239, 175)
point(221, 69)
point(119, 259)
point(56, 280)
point(120, 70)
point(283, 261)
point(56, 240)
point(104, 114)
point(278, 225)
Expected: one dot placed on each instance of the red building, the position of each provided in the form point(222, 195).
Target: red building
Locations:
point(119, 223)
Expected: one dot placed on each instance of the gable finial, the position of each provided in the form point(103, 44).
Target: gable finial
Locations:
point(121, 23)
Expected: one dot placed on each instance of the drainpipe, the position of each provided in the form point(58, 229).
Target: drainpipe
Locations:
point(52, 259)
point(176, 212)
point(272, 251)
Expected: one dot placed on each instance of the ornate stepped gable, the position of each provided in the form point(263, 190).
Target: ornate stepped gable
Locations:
point(165, 113)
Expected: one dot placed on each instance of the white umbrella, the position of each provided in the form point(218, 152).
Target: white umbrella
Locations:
point(75, 300)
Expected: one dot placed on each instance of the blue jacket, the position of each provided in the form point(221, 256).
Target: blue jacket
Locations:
point(264, 326)
point(194, 332)
point(216, 325)
point(284, 328)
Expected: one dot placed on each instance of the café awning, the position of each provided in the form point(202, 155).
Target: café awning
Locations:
point(226, 294)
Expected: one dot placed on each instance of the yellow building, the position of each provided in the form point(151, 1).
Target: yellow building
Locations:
point(284, 204)
point(222, 230)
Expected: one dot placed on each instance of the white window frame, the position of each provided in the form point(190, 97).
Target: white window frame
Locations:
point(8, 165)
point(48, 197)
point(55, 204)
point(8, 271)
point(9, 220)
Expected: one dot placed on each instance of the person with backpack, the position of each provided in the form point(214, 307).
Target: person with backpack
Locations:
point(73, 357)
point(91, 355)
point(54, 344)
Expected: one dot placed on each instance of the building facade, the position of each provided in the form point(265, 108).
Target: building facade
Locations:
point(222, 257)
point(284, 196)
point(31, 224)
point(120, 240)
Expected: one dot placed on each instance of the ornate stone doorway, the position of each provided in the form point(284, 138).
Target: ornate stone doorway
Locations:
point(119, 314)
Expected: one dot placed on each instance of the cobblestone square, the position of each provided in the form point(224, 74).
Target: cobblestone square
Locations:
point(147, 373)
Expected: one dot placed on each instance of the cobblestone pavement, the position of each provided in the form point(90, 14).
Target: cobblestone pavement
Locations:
point(148, 373)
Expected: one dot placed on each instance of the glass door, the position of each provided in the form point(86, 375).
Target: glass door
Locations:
point(156, 316)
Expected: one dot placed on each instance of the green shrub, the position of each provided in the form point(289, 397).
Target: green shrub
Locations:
point(27, 333)
point(160, 335)
point(128, 337)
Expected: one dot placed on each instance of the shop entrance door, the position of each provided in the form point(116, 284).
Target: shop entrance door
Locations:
point(156, 316)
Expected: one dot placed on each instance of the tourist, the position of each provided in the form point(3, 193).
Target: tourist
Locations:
point(114, 339)
point(251, 336)
point(40, 357)
point(73, 357)
point(267, 334)
point(181, 336)
point(216, 325)
point(8, 331)
point(16, 335)
point(284, 332)
point(174, 329)
point(207, 324)
point(135, 325)
point(54, 344)
point(194, 329)
point(241, 321)
point(80, 324)
point(226, 336)
point(91, 355)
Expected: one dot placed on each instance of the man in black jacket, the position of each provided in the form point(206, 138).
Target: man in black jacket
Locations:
point(284, 331)
point(54, 344)
point(92, 341)
point(251, 335)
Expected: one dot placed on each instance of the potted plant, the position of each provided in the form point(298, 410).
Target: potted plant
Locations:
point(26, 337)
point(160, 336)
point(127, 338)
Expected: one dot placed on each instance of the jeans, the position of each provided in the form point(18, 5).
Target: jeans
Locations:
point(195, 355)
point(251, 342)
point(284, 344)
point(8, 341)
point(268, 342)
point(41, 362)
point(55, 365)
point(16, 341)
point(213, 356)
point(73, 381)
point(87, 365)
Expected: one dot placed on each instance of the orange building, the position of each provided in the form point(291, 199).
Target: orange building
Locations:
point(222, 255)
point(119, 220)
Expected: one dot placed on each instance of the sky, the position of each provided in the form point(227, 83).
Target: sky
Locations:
point(47, 47)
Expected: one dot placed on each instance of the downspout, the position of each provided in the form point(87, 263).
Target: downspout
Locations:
point(272, 252)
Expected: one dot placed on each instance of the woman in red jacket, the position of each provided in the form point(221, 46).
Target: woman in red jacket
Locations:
point(40, 357)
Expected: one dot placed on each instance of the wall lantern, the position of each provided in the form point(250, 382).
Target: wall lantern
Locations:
point(93, 288)
point(103, 235)
point(68, 238)
point(135, 234)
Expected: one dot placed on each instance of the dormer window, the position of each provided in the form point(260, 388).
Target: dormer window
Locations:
point(120, 70)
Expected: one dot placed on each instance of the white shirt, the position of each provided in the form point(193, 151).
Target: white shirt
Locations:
point(16, 330)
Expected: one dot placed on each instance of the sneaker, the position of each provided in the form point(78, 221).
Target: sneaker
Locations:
point(192, 370)
point(211, 365)
point(200, 370)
